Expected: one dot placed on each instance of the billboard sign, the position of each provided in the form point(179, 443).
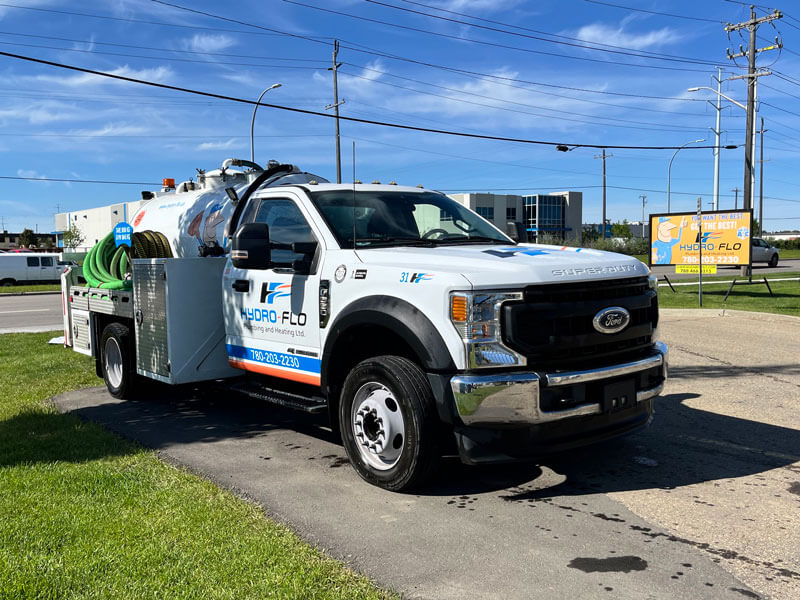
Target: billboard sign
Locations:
point(675, 238)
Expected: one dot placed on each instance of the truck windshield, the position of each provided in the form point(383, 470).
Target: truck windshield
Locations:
point(402, 218)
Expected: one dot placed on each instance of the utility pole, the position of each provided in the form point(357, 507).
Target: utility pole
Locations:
point(604, 156)
point(751, 26)
point(717, 132)
point(761, 183)
point(736, 200)
point(335, 107)
point(644, 201)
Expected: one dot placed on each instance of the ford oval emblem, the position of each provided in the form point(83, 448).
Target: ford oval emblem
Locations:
point(611, 320)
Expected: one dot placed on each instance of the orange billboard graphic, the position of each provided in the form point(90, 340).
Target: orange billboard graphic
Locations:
point(677, 239)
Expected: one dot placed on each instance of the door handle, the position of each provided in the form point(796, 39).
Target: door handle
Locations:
point(241, 285)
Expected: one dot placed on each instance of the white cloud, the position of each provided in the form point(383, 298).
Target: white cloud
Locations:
point(157, 74)
point(30, 174)
point(470, 6)
point(231, 143)
point(209, 42)
point(600, 33)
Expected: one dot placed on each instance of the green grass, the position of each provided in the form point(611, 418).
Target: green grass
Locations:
point(743, 297)
point(86, 514)
point(16, 289)
point(789, 253)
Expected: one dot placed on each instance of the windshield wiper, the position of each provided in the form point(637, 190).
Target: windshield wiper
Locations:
point(395, 241)
point(474, 240)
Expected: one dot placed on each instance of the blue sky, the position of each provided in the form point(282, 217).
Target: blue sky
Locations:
point(504, 68)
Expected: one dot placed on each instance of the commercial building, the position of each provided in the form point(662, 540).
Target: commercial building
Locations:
point(543, 216)
point(94, 223)
point(10, 241)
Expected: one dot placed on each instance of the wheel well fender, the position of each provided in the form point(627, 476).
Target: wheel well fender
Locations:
point(405, 322)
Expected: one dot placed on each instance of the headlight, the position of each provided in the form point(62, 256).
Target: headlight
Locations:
point(476, 317)
point(652, 281)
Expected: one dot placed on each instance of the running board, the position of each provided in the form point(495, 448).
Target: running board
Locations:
point(314, 405)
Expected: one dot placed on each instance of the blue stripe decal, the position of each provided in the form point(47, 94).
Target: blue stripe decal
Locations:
point(275, 359)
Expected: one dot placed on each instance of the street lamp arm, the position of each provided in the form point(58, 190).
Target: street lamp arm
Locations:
point(669, 168)
point(253, 119)
point(720, 94)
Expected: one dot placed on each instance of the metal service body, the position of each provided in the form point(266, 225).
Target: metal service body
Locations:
point(419, 327)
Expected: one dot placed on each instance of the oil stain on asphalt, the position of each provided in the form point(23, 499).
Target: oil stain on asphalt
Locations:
point(612, 564)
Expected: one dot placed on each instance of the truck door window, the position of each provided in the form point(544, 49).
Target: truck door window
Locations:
point(33, 261)
point(47, 261)
point(286, 225)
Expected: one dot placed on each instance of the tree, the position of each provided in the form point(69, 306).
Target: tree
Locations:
point(73, 237)
point(26, 239)
point(621, 230)
point(48, 243)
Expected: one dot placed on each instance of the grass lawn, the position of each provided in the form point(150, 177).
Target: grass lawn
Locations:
point(86, 514)
point(743, 297)
point(16, 289)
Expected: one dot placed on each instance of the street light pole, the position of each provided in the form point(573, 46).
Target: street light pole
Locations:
point(253, 119)
point(669, 168)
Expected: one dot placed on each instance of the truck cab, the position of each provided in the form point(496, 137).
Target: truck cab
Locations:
point(419, 327)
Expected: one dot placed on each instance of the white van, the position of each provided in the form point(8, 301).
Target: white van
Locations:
point(29, 267)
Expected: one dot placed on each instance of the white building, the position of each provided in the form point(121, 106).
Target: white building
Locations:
point(556, 215)
point(94, 223)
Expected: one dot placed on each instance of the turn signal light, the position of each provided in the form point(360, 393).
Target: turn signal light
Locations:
point(458, 309)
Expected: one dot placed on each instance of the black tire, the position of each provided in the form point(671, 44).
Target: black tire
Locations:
point(8, 282)
point(117, 361)
point(773, 261)
point(400, 392)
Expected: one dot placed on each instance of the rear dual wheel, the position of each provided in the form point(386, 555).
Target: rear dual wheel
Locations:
point(388, 422)
point(117, 360)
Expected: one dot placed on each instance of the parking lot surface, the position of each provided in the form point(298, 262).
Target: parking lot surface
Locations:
point(703, 504)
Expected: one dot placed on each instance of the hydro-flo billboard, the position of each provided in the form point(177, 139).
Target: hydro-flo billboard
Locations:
point(675, 239)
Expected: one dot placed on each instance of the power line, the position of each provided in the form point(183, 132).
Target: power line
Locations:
point(321, 114)
point(655, 12)
point(486, 43)
point(53, 179)
point(475, 74)
point(129, 20)
point(575, 43)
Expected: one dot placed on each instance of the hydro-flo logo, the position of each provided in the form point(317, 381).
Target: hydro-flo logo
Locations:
point(270, 291)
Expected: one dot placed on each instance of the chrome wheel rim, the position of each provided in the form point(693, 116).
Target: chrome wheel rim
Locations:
point(113, 362)
point(378, 426)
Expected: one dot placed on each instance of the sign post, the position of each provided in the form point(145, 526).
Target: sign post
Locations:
point(700, 250)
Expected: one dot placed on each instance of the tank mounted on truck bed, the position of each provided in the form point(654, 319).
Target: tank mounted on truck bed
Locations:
point(418, 326)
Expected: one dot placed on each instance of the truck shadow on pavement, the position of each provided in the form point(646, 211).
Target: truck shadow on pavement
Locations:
point(683, 446)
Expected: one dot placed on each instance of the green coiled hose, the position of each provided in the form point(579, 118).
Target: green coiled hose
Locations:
point(107, 266)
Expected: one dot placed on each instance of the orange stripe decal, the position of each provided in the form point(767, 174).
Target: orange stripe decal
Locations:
point(275, 372)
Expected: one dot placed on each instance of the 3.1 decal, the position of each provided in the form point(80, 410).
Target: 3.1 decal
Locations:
point(409, 277)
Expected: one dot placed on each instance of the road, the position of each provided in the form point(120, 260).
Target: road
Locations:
point(759, 270)
point(703, 504)
point(31, 312)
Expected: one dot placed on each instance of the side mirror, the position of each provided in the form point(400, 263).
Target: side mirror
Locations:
point(250, 247)
point(302, 266)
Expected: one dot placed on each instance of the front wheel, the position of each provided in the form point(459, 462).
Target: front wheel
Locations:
point(773, 261)
point(388, 422)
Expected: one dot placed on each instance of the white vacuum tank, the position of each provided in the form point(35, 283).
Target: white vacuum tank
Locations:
point(194, 215)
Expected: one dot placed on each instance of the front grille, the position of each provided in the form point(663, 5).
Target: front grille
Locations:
point(552, 326)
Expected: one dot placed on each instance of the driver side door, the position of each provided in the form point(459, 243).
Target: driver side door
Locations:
point(272, 315)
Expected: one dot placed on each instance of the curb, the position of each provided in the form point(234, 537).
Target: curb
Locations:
point(30, 294)
point(725, 312)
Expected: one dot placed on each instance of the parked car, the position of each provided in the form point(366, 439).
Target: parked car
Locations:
point(763, 252)
point(29, 267)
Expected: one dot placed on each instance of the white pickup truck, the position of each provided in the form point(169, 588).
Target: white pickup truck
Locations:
point(417, 325)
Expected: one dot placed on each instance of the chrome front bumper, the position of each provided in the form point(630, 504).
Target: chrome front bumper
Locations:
point(514, 398)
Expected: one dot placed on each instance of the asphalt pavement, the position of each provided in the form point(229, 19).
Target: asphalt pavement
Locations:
point(30, 312)
point(703, 504)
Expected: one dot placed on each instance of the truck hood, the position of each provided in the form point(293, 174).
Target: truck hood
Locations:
point(493, 266)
